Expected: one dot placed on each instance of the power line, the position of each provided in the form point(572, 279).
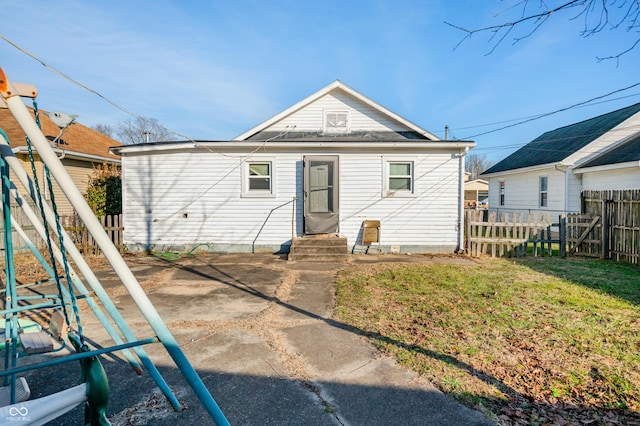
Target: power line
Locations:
point(553, 112)
point(84, 87)
point(582, 104)
point(533, 116)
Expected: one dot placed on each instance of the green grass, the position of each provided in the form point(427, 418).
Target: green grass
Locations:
point(493, 334)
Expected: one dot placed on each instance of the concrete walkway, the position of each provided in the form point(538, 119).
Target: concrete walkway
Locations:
point(259, 332)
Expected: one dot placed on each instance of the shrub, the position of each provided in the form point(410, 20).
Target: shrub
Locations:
point(104, 191)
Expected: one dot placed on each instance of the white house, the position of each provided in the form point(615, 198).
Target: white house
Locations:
point(549, 173)
point(322, 166)
point(617, 168)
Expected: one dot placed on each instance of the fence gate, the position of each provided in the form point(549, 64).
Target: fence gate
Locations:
point(507, 233)
point(585, 235)
point(620, 212)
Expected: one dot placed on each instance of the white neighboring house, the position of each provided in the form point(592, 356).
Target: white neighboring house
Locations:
point(550, 172)
point(322, 166)
point(617, 168)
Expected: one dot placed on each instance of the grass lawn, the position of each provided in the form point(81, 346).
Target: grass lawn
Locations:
point(528, 341)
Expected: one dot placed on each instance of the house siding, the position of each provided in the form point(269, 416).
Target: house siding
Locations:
point(361, 116)
point(522, 191)
point(182, 199)
point(627, 178)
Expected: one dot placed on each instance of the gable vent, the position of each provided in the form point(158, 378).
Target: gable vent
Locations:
point(336, 121)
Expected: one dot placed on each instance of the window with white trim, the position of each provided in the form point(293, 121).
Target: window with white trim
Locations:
point(336, 122)
point(543, 191)
point(400, 178)
point(502, 187)
point(258, 179)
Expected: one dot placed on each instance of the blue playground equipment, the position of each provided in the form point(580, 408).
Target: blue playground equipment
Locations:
point(23, 336)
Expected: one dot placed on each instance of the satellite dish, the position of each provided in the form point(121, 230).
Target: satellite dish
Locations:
point(61, 119)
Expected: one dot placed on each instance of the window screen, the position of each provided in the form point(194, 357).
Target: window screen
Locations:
point(260, 176)
point(400, 176)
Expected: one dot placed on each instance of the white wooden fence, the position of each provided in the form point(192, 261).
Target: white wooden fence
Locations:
point(506, 233)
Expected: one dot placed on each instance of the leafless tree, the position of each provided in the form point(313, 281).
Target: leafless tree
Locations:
point(598, 15)
point(476, 164)
point(105, 129)
point(143, 129)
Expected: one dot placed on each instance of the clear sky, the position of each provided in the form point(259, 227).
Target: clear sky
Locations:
point(214, 69)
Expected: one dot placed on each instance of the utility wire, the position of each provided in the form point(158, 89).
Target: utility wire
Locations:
point(531, 116)
point(127, 111)
point(84, 87)
point(70, 79)
point(553, 112)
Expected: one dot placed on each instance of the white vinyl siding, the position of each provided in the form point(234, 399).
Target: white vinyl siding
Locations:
point(523, 191)
point(627, 178)
point(189, 198)
point(361, 117)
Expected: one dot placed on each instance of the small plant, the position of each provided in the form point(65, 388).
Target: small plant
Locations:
point(104, 191)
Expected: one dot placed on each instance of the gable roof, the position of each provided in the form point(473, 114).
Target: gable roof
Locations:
point(416, 132)
point(556, 145)
point(76, 139)
point(625, 152)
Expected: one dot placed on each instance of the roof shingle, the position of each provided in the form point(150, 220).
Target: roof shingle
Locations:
point(556, 145)
point(624, 153)
point(77, 137)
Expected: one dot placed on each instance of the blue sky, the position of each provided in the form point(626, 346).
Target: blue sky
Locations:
point(214, 69)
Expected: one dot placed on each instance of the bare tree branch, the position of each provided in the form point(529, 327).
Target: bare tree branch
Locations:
point(617, 57)
point(476, 164)
point(105, 129)
point(133, 131)
point(598, 15)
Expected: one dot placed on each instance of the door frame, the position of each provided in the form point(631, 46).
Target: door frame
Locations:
point(322, 222)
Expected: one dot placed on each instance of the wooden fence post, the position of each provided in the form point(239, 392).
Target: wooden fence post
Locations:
point(562, 228)
point(604, 231)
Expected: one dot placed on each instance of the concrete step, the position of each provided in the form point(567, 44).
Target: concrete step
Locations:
point(319, 249)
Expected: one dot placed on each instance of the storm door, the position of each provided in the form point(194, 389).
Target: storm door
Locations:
point(321, 213)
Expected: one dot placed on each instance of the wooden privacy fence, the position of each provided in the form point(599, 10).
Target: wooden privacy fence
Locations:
point(584, 234)
point(507, 233)
point(73, 225)
point(619, 227)
point(112, 224)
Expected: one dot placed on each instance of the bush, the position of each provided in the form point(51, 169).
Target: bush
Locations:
point(104, 192)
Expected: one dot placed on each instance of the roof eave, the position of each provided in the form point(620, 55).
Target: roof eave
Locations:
point(72, 154)
point(289, 145)
point(607, 167)
point(524, 169)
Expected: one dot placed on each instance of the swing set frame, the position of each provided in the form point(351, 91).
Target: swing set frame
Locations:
point(123, 338)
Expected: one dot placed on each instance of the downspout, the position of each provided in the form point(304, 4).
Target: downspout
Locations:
point(563, 169)
point(461, 155)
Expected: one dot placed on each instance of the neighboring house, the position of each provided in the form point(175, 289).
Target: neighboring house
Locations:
point(549, 173)
point(617, 168)
point(80, 149)
point(476, 193)
point(322, 166)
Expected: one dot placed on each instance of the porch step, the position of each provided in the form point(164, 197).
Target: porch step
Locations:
point(319, 249)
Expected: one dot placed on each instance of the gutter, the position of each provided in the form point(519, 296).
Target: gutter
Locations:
point(289, 145)
point(523, 169)
point(607, 167)
point(72, 154)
